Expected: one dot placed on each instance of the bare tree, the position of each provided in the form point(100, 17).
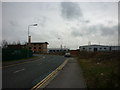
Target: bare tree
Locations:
point(4, 44)
point(18, 43)
point(14, 43)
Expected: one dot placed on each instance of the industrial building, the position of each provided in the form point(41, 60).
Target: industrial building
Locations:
point(95, 48)
point(54, 50)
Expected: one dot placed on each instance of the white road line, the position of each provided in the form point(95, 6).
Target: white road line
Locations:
point(19, 70)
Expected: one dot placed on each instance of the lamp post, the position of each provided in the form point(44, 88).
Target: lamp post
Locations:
point(60, 44)
point(29, 27)
point(29, 37)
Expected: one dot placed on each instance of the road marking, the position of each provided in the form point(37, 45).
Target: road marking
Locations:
point(19, 70)
point(41, 83)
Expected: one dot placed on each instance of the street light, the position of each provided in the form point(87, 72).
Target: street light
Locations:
point(29, 27)
point(28, 36)
point(61, 43)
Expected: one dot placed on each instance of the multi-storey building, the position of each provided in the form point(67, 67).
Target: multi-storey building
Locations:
point(37, 47)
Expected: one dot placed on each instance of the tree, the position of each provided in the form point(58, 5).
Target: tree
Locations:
point(4, 44)
point(14, 43)
point(18, 43)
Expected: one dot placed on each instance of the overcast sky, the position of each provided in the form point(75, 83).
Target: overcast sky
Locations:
point(68, 23)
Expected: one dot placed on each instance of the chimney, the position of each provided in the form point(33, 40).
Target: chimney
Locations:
point(29, 39)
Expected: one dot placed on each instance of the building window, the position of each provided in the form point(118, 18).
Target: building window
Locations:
point(83, 48)
point(30, 48)
point(104, 48)
point(100, 48)
point(39, 47)
point(50, 51)
point(34, 47)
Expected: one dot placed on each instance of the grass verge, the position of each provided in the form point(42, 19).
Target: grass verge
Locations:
point(101, 69)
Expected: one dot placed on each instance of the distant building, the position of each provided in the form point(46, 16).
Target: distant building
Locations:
point(37, 47)
point(95, 48)
point(115, 48)
point(74, 52)
point(54, 50)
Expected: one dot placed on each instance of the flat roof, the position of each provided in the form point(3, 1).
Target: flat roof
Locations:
point(99, 45)
point(39, 42)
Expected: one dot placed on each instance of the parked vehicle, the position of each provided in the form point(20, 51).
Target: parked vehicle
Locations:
point(67, 54)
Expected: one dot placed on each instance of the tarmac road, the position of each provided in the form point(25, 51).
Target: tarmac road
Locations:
point(26, 75)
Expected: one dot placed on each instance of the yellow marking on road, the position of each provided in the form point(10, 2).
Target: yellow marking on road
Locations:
point(41, 83)
point(20, 63)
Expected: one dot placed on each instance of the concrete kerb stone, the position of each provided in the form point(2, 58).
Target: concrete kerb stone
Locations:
point(50, 77)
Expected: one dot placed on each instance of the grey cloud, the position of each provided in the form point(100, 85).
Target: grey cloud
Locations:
point(97, 30)
point(70, 10)
point(75, 32)
point(14, 23)
point(87, 21)
point(41, 20)
point(44, 35)
point(108, 31)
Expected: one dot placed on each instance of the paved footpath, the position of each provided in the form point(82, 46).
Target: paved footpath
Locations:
point(69, 77)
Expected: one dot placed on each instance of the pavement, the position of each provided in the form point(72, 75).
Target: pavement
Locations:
point(69, 77)
point(27, 74)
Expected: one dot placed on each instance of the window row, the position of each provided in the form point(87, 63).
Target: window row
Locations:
point(99, 48)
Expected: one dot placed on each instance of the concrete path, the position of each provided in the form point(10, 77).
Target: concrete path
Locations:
point(69, 77)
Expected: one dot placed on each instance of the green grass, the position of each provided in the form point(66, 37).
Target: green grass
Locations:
point(102, 72)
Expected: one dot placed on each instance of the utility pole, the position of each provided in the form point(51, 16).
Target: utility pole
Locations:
point(29, 38)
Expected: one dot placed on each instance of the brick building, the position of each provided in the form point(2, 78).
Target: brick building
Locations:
point(74, 52)
point(37, 47)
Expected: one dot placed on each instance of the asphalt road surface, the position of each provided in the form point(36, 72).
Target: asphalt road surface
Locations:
point(26, 75)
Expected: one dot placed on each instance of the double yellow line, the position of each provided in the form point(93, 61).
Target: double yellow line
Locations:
point(41, 83)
